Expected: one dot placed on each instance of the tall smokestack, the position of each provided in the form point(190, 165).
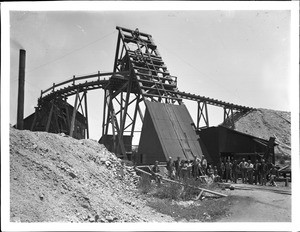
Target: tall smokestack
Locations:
point(20, 112)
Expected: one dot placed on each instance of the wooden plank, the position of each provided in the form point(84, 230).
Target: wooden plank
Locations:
point(198, 197)
point(179, 183)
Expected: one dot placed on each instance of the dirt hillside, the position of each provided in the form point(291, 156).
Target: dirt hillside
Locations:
point(57, 178)
point(264, 123)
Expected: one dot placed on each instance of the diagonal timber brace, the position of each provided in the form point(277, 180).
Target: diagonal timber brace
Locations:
point(202, 113)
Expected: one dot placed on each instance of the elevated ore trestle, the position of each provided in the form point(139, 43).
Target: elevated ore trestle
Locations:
point(139, 75)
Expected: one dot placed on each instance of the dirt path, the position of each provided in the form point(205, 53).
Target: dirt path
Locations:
point(259, 205)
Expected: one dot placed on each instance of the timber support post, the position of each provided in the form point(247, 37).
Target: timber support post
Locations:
point(228, 117)
point(50, 116)
point(202, 113)
point(74, 114)
point(86, 115)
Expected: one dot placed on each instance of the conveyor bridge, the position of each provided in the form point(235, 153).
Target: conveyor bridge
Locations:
point(139, 76)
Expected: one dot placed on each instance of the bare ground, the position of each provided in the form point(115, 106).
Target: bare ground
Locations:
point(259, 205)
point(55, 178)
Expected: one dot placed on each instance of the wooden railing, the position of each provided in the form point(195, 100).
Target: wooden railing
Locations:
point(75, 79)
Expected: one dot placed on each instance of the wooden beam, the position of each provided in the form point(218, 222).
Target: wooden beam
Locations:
point(182, 184)
point(56, 120)
point(140, 112)
point(68, 115)
point(104, 112)
point(49, 118)
point(206, 113)
point(74, 114)
point(198, 115)
point(117, 52)
point(108, 116)
point(34, 119)
point(86, 115)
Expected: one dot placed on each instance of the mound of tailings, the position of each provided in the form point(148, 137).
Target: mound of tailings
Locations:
point(264, 123)
point(55, 178)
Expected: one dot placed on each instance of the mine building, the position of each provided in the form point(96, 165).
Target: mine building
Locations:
point(56, 118)
point(219, 143)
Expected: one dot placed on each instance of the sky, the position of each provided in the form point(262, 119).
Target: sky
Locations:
point(242, 57)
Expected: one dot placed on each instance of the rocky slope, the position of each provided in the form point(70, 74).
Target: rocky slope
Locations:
point(55, 178)
point(264, 123)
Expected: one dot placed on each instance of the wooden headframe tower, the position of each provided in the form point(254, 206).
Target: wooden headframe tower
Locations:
point(148, 79)
point(139, 75)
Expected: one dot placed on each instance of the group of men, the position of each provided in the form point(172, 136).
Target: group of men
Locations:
point(257, 172)
point(183, 169)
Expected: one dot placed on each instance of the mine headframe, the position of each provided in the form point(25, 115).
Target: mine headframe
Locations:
point(149, 79)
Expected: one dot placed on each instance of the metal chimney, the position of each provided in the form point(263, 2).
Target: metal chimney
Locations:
point(20, 112)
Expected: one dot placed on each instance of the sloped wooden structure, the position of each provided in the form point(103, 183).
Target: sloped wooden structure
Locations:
point(168, 131)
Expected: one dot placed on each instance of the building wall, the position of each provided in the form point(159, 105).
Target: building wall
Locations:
point(59, 122)
point(220, 141)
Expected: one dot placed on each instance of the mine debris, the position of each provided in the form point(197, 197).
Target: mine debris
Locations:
point(179, 183)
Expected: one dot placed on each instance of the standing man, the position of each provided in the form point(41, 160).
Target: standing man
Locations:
point(243, 167)
point(256, 169)
point(198, 168)
point(228, 168)
point(195, 167)
point(210, 172)
point(184, 170)
point(204, 165)
point(181, 169)
point(136, 33)
point(264, 171)
point(217, 177)
point(250, 172)
point(222, 170)
point(177, 167)
point(170, 168)
point(273, 175)
point(235, 170)
point(155, 172)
